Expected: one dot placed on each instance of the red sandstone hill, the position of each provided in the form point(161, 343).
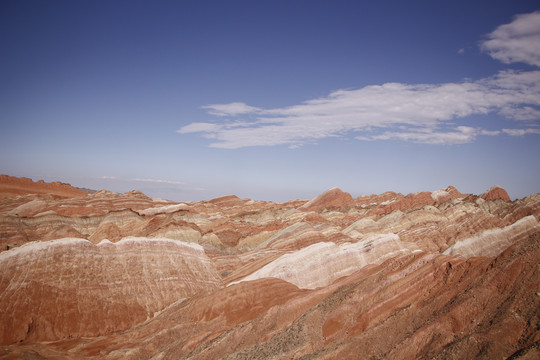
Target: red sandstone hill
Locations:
point(430, 275)
point(11, 186)
point(494, 193)
point(333, 198)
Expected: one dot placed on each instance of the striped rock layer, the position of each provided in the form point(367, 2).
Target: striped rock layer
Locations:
point(427, 275)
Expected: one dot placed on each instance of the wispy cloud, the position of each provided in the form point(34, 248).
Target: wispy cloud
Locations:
point(235, 108)
point(156, 181)
point(422, 113)
point(419, 112)
point(518, 41)
point(521, 132)
point(159, 181)
point(458, 135)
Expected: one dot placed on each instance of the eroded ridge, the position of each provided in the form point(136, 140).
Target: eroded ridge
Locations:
point(437, 274)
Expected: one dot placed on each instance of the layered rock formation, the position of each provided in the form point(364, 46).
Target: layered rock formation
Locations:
point(436, 274)
point(11, 186)
point(322, 263)
point(71, 288)
point(494, 193)
point(331, 199)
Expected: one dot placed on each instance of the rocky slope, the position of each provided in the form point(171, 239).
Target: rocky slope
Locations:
point(11, 186)
point(427, 275)
point(72, 288)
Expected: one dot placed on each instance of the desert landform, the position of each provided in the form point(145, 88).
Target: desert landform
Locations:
point(428, 275)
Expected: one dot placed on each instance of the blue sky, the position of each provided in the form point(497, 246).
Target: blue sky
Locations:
point(272, 100)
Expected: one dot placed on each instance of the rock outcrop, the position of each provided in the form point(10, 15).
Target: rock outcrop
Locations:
point(322, 263)
point(494, 193)
point(493, 241)
point(11, 186)
point(437, 274)
point(331, 199)
point(71, 288)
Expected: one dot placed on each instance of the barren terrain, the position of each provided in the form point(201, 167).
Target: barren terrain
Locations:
point(432, 275)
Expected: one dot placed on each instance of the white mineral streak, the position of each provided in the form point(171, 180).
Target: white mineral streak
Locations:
point(293, 215)
point(181, 234)
point(29, 208)
point(105, 288)
point(251, 242)
point(361, 226)
point(392, 223)
point(288, 231)
point(36, 246)
point(493, 241)
point(296, 229)
point(167, 209)
point(133, 239)
point(46, 213)
point(333, 215)
point(439, 195)
point(322, 263)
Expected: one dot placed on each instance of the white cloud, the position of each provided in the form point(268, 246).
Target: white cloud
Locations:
point(521, 113)
point(423, 113)
point(200, 127)
point(459, 135)
point(518, 41)
point(520, 132)
point(231, 109)
point(490, 132)
point(159, 181)
point(420, 110)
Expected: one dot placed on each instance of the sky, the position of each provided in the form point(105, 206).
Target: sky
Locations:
point(271, 100)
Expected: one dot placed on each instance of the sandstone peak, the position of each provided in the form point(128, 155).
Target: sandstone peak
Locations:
point(455, 193)
point(443, 195)
point(227, 200)
point(440, 196)
point(137, 193)
point(494, 193)
point(333, 198)
point(104, 193)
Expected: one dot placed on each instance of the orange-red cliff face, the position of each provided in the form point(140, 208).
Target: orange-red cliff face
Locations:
point(11, 186)
point(428, 275)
